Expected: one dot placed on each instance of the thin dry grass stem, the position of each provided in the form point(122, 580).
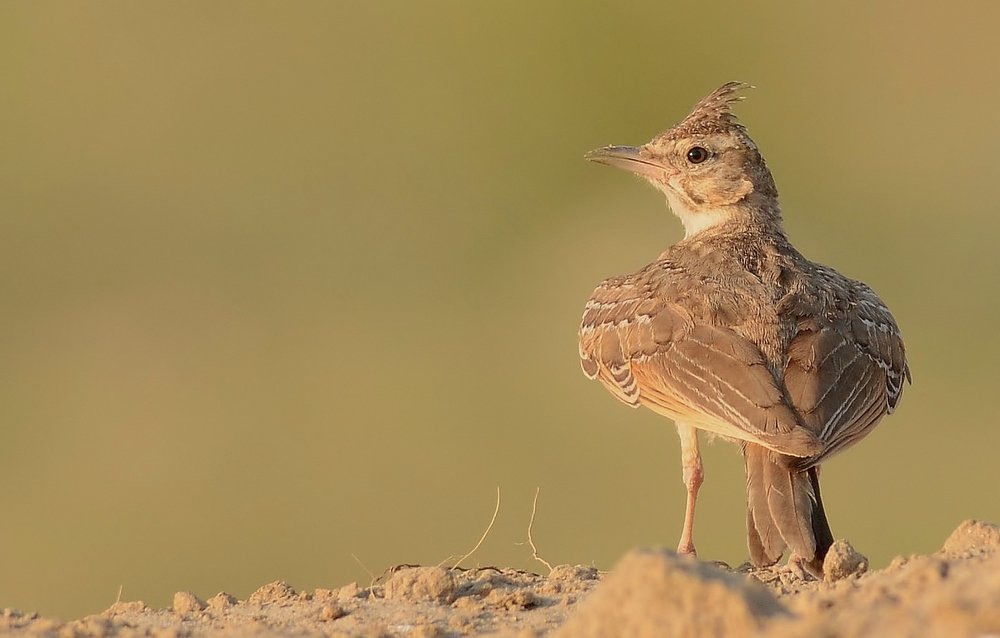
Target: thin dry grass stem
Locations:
point(373, 576)
point(120, 588)
point(485, 534)
point(534, 550)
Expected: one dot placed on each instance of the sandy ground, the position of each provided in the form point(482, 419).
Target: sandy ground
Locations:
point(650, 592)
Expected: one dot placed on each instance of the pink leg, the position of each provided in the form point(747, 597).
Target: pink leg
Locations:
point(693, 475)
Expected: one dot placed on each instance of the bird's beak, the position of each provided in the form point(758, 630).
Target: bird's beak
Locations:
point(629, 158)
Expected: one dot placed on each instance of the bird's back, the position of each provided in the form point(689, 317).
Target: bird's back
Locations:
point(739, 333)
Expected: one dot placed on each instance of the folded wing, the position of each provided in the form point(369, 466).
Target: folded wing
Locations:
point(649, 351)
point(845, 371)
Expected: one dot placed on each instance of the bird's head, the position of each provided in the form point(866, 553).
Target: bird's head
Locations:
point(707, 166)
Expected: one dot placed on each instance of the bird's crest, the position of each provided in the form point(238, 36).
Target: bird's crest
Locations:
point(713, 113)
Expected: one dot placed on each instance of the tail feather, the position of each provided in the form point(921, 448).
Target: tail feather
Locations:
point(784, 509)
point(821, 527)
point(790, 501)
point(763, 538)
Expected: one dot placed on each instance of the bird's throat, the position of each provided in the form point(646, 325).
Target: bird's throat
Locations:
point(700, 219)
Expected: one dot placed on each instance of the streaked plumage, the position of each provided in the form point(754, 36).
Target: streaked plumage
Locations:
point(734, 332)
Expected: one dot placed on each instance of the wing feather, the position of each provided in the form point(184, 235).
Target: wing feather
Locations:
point(648, 351)
point(845, 371)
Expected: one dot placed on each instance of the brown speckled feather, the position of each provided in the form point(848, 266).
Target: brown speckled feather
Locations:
point(649, 350)
point(837, 360)
point(846, 363)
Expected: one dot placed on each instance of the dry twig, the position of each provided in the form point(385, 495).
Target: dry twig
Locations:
point(373, 576)
point(534, 550)
point(485, 534)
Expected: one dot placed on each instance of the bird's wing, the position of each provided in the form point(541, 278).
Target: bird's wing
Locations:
point(649, 351)
point(845, 371)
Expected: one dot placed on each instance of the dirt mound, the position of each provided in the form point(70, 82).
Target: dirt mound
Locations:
point(658, 593)
point(955, 592)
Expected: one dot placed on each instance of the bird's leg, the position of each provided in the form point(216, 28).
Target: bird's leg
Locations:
point(693, 475)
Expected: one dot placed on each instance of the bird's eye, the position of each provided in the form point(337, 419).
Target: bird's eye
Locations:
point(697, 154)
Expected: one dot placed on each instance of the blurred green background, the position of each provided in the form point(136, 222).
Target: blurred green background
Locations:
point(283, 283)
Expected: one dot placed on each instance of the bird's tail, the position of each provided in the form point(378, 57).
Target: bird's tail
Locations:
point(784, 509)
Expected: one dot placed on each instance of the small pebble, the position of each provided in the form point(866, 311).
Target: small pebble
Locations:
point(187, 603)
point(347, 592)
point(427, 631)
point(273, 592)
point(331, 612)
point(842, 561)
point(222, 600)
point(973, 536)
point(573, 572)
point(419, 584)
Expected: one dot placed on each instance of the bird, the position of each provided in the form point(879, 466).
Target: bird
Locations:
point(732, 331)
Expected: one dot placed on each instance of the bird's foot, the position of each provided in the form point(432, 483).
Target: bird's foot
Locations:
point(805, 569)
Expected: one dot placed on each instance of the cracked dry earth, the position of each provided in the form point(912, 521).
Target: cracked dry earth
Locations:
point(650, 592)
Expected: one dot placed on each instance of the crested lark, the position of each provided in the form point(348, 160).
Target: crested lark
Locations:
point(732, 331)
